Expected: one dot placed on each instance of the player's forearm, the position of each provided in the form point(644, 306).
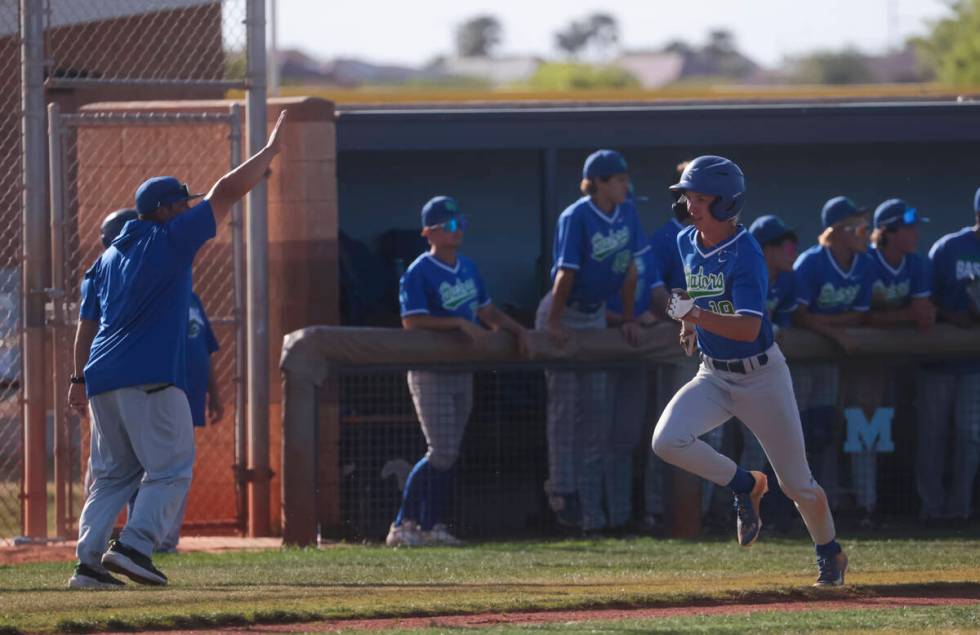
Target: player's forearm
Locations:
point(559, 294)
point(84, 336)
point(500, 320)
point(813, 321)
point(658, 301)
point(893, 317)
point(212, 382)
point(233, 186)
point(741, 328)
point(628, 293)
point(432, 322)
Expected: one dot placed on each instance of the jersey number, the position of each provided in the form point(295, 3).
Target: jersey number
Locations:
point(724, 307)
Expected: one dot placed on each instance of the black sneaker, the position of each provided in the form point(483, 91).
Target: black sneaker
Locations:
point(85, 577)
point(748, 522)
point(132, 564)
point(831, 570)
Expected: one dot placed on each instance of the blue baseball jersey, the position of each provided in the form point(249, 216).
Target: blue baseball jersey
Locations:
point(599, 248)
point(432, 287)
point(647, 279)
point(955, 261)
point(663, 243)
point(143, 286)
point(201, 343)
point(824, 288)
point(781, 299)
point(729, 278)
point(894, 288)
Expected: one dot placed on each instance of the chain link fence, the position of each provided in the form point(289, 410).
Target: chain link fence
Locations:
point(75, 52)
point(101, 158)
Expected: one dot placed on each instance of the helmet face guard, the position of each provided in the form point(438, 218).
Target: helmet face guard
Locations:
point(718, 177)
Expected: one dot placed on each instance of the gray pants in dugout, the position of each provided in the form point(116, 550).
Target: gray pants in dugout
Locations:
point(443, 402)
point(577, 412)
point(763, 400)
point(142, 441)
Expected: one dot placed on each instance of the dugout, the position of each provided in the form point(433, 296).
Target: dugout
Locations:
point(514, 168)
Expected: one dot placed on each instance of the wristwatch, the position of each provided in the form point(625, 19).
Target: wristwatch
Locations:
point(77, 379)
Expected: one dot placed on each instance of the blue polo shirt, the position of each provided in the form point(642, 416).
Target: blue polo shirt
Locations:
point(663, 243)
point(143, 286)
point(599, 248)
point(647, 279)
point(432, 287)
point(894, 287)
point(201, 343)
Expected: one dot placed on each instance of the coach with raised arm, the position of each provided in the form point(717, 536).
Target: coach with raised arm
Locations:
point(130, 367)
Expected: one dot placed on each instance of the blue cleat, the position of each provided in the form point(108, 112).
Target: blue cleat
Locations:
point(747, 510)
point(832, 570)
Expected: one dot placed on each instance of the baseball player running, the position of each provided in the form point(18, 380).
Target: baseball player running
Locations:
point(442, 290)
point(743, 373)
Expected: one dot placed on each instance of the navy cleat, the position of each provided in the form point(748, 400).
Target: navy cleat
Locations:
point(747, 510)
point(832, 570)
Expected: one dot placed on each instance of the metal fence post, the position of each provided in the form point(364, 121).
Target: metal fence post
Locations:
point(34, 219)
point(62, 472)
point(237, 251)
point(258, 282)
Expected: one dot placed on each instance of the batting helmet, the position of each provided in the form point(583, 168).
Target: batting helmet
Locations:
point(114, 222)
point(716, 176)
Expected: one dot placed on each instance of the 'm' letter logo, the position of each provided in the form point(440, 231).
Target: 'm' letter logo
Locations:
point(863, 436)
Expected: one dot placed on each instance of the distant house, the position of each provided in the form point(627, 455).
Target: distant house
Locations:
point(498, 71)
point(653, 69)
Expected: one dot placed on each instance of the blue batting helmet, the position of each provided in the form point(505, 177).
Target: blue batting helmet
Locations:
point(716, 176)
point(114, 223)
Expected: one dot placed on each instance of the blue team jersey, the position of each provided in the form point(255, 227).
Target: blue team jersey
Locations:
point(729, 278)
point(143, 286)
point(894, 288)
point(201, 343)
point(647, 279)
point(824, 288)
point(431, 287)
point(599, 248)
point(781, 299)
point(955, 261)
point(663, 243)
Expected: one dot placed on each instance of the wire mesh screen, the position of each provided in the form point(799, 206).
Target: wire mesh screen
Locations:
point(158, 41)
point(491, 425)
point(11, 193)
point(105, 157)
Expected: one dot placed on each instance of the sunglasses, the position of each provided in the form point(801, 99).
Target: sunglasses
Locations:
point(857, 229)
point(185, 190)
point(910, 217)
point(453, 225)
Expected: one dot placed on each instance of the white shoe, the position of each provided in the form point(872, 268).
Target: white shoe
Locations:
point(407, 534)
point(439, 535)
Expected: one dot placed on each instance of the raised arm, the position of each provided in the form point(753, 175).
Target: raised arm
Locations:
point(236, 184)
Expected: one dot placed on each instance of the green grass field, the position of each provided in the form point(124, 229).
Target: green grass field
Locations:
point(355, 581)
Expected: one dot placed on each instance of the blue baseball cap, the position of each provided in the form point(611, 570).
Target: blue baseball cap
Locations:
point(895, 212)
point(160, 191)
point(602, 164)
point(770, 228)
point(837, 209)
point(438, 210)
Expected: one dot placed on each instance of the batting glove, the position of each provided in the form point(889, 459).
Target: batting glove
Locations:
point(680, 304)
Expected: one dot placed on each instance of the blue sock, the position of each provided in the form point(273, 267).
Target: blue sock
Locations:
point(439, 507)
point(417, 488)
point(742, 482)
point(829, 550)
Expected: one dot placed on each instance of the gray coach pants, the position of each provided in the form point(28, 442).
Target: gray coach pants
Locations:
point(141, 441)
point(763, 400)
point(577, 415)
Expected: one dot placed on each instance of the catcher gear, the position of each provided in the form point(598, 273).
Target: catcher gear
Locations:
point(716, 176)
point(680, 304)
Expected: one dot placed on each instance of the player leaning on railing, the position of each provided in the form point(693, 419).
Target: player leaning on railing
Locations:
point(743, 373)
point(441, 291)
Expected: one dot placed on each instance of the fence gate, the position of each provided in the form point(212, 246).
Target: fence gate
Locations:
point(96, 162)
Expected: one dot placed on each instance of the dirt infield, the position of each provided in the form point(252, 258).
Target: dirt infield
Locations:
point(951, 595)
point(65, 551)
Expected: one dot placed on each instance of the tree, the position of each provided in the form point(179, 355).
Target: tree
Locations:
point(479, 36)
point(599, 30)
point(952, 48)
point(832, 67)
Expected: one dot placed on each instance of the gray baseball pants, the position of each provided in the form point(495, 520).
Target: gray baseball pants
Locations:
point(140, 441)
point(443, 402)
point(763, 400)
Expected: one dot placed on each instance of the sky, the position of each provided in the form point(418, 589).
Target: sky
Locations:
point(413, 33)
